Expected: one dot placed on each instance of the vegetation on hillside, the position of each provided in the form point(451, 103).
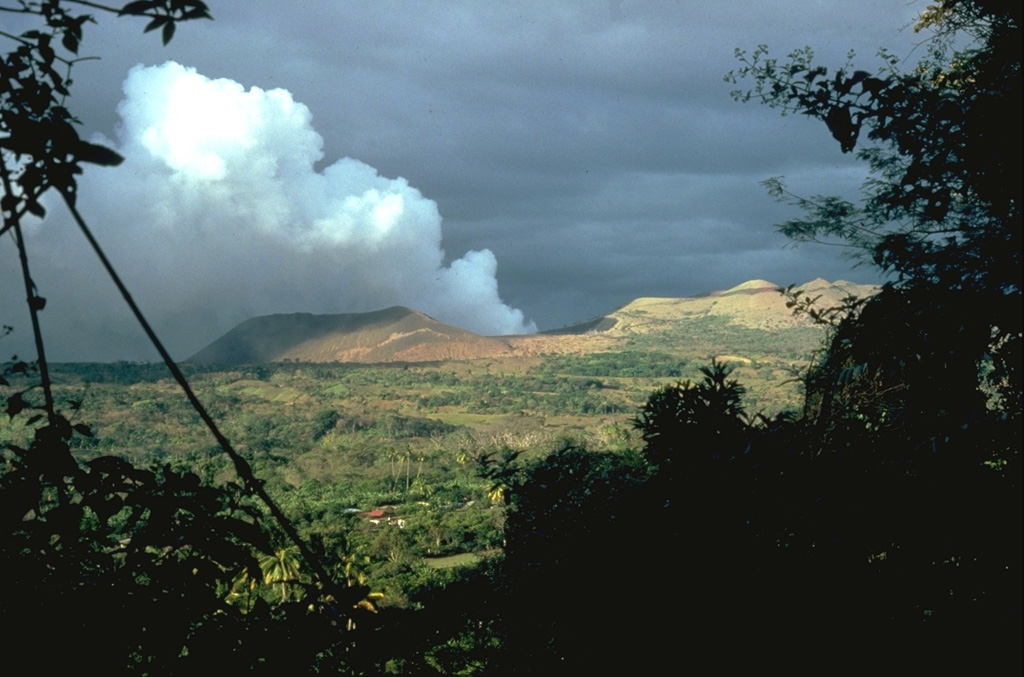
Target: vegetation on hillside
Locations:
point(109, 565)
point(875, 527)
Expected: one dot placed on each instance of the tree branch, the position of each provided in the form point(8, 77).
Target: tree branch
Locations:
point(242, 468)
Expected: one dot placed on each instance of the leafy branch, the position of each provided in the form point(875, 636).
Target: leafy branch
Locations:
point(45, 492)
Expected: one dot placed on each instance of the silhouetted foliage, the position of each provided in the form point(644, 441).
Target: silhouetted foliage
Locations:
point(941, 210)
point(108, 566)
point(576, 550)
point(706, 417)
point(123, 565)
point(881, 529)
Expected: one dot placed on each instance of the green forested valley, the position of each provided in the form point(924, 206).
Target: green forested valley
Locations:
point(333, 440)
point(708, 484)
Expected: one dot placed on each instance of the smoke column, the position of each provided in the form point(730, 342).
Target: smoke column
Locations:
point(218, 214)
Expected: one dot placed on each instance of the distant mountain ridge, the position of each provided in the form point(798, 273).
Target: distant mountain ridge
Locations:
point(756, 304)
point(399, 334)
point(394, 334)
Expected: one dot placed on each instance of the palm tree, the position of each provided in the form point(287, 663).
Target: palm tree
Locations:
point(281, 567)
point(242, 586)
point(497, 494)
point(353, 577)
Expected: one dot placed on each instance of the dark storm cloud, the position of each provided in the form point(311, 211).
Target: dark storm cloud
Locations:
point(592, 147)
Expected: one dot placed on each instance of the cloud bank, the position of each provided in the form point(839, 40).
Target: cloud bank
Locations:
point(220, 212)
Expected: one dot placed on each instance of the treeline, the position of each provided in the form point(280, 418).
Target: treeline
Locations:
point(796, 542)
point(876, 529)
point(620, 364)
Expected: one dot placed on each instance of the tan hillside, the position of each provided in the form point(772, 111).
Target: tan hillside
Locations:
point(402, 335)
point(392, 335)
point(756, 304)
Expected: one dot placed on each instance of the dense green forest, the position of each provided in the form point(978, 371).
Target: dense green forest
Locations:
point(596, 514)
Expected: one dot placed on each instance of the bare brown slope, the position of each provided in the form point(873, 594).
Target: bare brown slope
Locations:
point(392, 335)
point(756, 304)
point(401, 335)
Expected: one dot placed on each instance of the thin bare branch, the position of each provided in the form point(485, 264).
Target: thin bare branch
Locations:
point(242, 467)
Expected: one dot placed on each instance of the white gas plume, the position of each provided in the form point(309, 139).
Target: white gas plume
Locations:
point(219, 213)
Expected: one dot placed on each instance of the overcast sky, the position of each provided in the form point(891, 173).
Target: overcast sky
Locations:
point(502, 166)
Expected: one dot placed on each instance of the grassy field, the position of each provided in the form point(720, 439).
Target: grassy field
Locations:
point(452, 561)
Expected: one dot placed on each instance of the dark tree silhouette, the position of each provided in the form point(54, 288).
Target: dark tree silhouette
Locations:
point(941, 210)
point(881, 528)
point(106, 565)
point(878, 530)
